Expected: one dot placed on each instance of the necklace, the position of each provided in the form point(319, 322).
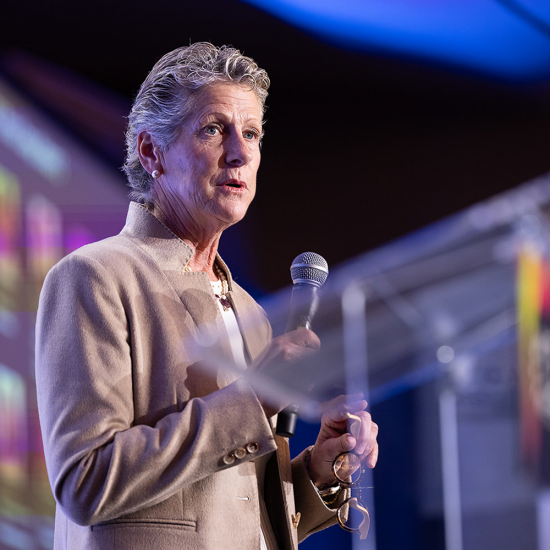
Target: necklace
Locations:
point(225, 288)
point(222, 297)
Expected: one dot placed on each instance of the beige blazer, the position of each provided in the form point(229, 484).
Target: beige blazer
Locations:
point(136, 429)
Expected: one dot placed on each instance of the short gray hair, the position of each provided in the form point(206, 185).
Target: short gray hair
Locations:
point(166, 98)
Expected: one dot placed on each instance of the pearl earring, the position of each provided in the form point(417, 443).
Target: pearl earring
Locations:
point(155, 173)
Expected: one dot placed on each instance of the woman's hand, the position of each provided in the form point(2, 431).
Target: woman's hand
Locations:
point(283, 350)
point(334, 437)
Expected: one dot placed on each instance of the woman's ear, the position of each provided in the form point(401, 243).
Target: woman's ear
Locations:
point(148, 153)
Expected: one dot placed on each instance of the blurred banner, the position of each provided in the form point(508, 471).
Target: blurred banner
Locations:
point(54, 197)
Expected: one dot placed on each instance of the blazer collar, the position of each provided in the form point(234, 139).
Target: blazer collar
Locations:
point(164, 246)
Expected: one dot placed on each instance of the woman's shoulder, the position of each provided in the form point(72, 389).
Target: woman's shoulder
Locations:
point(115, 255)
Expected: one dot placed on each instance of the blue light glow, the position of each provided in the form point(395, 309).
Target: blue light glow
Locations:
point(482, 35)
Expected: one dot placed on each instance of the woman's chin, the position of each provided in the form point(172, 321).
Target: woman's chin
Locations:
point(230, 214)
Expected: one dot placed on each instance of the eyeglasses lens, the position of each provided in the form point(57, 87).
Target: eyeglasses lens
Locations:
point(354, 516)
point(347, 468)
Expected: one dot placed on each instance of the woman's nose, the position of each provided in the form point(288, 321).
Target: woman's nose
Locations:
point(238, 152)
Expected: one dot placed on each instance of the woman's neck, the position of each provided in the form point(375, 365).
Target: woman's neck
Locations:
point(203, 260)
point(203, 243)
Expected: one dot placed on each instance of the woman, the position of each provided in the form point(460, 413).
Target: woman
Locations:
point(145, 448)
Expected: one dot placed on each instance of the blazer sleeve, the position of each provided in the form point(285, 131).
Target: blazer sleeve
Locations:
point(315, 514)
point(101, 463)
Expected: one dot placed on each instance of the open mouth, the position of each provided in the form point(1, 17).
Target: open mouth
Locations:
point(234, 184)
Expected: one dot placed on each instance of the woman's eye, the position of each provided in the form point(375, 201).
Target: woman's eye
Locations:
point(249, 134)
point(211, 130)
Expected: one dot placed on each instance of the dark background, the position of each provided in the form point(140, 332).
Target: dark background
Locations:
point(360, 148)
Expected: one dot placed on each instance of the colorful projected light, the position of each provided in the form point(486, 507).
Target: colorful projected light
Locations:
point(13, 426)
point(54, 197)
point(10, 226)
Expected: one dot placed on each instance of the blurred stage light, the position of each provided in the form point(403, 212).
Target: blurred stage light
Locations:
point(504, 38)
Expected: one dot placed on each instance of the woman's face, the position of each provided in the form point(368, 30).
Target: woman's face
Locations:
point(209, 172)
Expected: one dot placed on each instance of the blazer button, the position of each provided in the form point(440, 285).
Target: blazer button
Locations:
point(240, 452)
point(252, 448)
point(229, 458)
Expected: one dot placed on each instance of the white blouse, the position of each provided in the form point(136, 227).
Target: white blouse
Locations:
point(236, 343)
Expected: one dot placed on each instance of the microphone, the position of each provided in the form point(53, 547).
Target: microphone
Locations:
point(309, 271)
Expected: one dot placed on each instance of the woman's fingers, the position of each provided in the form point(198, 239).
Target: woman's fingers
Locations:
point(372, 457)
point(303, 337)
point(365, 432)
point(279, 354)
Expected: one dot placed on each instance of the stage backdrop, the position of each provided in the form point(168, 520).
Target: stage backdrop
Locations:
point(54, 198)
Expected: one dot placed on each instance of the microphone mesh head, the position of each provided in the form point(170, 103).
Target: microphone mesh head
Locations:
point(309, 268)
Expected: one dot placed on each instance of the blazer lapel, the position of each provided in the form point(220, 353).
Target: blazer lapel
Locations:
point(172, 255)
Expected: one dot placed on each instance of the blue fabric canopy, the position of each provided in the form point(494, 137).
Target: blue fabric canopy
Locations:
point(505, 38)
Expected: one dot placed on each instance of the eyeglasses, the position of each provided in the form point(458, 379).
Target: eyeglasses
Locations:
point(353, 515)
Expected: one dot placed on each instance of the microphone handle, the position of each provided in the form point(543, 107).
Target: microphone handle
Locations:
point(303, 305)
